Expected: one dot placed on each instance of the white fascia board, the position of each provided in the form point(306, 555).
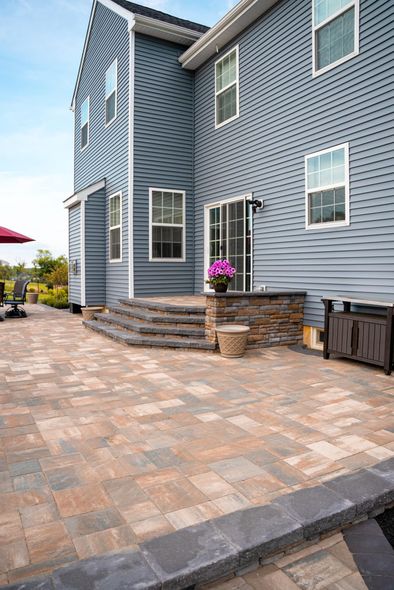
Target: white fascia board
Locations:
point(233, 23)
point(126, 14)
point(162, 30)
point(83, 194)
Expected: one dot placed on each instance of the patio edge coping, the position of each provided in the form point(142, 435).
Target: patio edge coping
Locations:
point(232, 543)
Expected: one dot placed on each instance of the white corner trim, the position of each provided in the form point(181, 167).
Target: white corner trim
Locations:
point(83, 194)
point(233, 23)
point(82, 234)
point(130, 210)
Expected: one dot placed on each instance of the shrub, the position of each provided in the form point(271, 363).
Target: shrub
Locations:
point(58, 299)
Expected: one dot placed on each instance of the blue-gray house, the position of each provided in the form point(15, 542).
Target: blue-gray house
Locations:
point(179, 128)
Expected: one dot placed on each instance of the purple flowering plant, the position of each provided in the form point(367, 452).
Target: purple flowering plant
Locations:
point(220, 271)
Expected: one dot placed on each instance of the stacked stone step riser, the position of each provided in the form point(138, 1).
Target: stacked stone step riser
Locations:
point(130, 339)
point(155, 319)
point(140, 328)
point(164, 308)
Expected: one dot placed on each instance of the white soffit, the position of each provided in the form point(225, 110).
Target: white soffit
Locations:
point(233, 23)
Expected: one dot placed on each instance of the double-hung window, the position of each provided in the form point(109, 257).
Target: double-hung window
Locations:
point(327, 188)
point(115, 227)
point(227, 88)
point(111, 91)
point(335, 33)
point(85, 107)
point(167, 225)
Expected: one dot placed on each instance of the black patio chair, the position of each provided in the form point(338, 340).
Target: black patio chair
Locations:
point(15, 299)
point(2, 287)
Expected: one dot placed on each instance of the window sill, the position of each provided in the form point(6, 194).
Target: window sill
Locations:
point(110, 122)
point(115, 260)
point(328, 225)
point(218, 126)
point(316, 73)
point(177, 260)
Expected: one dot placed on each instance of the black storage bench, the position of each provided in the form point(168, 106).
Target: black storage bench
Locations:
point(359, 335)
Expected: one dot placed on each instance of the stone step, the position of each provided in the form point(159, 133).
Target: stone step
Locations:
point(154, 330)
point(148, 316)
point(150, 341)
point(164, 308)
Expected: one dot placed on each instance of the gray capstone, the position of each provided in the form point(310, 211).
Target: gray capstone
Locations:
point(258, 532)
point(318, 509)
point(364, 488)
point(384, 469)
point(190, 556)
point(121, 571)
point(38, 584)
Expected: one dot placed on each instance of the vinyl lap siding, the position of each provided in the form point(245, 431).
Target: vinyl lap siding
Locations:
point(107, 153)
point(74, 253)
point(95, 249)
point(285, 114)
point(163, 149)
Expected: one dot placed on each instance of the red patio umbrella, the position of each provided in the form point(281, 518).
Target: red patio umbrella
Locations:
point(7, 236)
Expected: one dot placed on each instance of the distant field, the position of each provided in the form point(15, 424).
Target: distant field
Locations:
point(10, 284)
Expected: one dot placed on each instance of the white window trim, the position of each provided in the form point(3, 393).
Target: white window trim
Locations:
point(88, 123)
point(112, 260)
point(315, 28)
point(182, 225)
point(207, 207)
point(108, 95)
point(218, 125)
point(346, 184)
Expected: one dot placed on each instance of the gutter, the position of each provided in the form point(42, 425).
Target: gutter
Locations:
point(233, 23)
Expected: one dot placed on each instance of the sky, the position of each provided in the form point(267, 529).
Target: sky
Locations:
point(40, 48)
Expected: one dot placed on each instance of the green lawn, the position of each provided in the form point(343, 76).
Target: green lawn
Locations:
point(32, 286)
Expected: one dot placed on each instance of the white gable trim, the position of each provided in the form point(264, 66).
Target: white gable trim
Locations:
point(129, 16)
point(141, 24)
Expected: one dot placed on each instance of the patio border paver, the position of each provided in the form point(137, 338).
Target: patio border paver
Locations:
point(226, 545)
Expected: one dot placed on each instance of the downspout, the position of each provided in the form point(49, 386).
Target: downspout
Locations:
point(131, 24)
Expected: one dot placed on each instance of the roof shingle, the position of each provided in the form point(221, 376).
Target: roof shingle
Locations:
point(162, 16)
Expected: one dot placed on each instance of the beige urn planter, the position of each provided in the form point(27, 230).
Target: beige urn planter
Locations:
point(232, 340)
point(88, 312)
point(31, 297)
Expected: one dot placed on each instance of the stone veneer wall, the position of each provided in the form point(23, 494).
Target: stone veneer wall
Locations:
point(275, 318)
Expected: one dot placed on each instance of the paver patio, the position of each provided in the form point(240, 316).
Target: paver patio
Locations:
point(104, 446)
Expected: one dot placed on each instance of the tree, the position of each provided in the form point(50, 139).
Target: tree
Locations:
point(19, 268)
point(5, 272)
point(59, 276)
point(44, 263)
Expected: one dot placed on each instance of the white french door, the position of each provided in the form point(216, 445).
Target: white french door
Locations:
point(228, 234)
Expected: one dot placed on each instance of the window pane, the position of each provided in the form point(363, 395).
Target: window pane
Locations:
point(328, 169)
point(335, 39)
point(110, 108)
point(110, 79)
point(114, 243)
point(226, 105)
point(84, 135)
point(226, 71)
point(157, 216)
point(340, 212)
point(325, 8)
point(84, 112)
point(157, 199)
point(167, 242)
point(167, 200)
point(114, 209)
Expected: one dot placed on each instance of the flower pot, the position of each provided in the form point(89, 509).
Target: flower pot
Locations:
point(220, 287)
point(88, 313)
point(31, 297)
point(232, 340)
